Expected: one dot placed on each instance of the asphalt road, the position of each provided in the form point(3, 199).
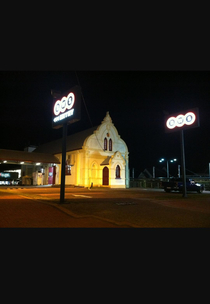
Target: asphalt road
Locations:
point(102, 208)
point(28, 209)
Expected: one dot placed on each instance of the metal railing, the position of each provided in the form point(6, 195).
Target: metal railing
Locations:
point(156, 183)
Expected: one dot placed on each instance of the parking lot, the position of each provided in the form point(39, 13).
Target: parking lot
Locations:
point(103, 207)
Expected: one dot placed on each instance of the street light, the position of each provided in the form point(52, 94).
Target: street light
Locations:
point(171, 161)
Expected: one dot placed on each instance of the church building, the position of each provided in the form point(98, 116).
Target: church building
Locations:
point(95, 157)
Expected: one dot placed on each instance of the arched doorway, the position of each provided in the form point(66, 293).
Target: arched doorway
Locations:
point(105, 176)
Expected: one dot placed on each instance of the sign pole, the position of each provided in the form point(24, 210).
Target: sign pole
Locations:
point(63, 166)
point(66, 109)
point(183, 165)
point(179, 171)
point(184, 120)
point(209, 169)
point(167, 170)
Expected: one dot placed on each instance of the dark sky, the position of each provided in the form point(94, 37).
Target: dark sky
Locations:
point(136, 100)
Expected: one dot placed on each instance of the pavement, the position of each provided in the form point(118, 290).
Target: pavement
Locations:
point(19, 211)
point(39, 207)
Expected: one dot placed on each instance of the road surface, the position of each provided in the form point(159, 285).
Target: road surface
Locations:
point(102, 207)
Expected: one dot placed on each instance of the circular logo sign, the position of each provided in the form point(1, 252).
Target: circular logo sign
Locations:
point(70, 101)
point(181, 120)
point(66, 103)
point(190, 118)
point(171, 123)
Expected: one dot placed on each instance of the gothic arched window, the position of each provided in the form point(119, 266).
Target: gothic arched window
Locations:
point(110, 144)
point(117, 171)
point(105, 143)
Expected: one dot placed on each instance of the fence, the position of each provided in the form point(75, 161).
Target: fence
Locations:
point(155, 183)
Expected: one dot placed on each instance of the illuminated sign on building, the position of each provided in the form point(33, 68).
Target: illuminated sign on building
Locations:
point(182, 120)
point(5, 175)
point(66, 109)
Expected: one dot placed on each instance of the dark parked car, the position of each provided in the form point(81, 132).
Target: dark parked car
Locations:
point(176, 184)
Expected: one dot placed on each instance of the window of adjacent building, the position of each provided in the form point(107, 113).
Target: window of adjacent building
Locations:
point(118, 171)
point(110, 144)
point(105, 143)
point(67, 169)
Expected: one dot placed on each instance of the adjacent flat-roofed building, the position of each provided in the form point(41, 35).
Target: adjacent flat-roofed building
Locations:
point(94, 157)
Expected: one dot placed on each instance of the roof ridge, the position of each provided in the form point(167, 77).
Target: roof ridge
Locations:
point(55, 146)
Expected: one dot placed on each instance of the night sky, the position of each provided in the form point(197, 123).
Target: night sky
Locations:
point(136, 100)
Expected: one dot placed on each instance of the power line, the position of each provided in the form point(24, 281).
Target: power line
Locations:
point(87, 110)
point(83, 99)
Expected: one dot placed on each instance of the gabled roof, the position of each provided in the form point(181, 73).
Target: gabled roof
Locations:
point(73, 142)
point(145, 174)
point(18, 156)
point(106, 161)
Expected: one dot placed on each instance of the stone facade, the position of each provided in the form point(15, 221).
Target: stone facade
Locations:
point(102, 161)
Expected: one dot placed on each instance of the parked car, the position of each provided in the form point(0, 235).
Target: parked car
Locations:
point(176, 184)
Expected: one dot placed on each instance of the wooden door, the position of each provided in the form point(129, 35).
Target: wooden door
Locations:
point(51, 176)
point(105, 176)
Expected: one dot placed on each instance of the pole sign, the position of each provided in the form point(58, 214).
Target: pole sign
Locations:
point(182, 120)
point(66, 107)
